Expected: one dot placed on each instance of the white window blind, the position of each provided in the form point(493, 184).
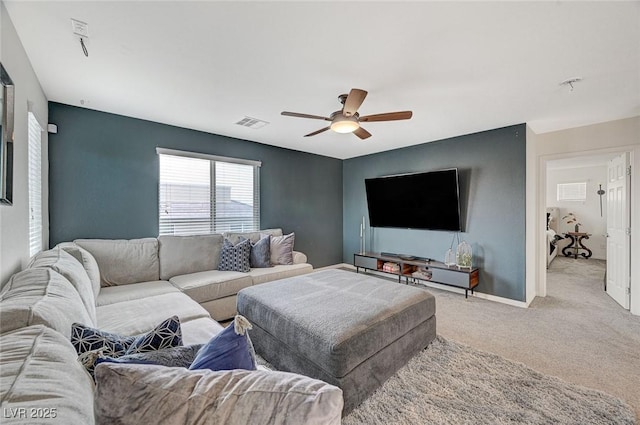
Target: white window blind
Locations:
point(200, 195)
point(35, 186)
point(572, 191)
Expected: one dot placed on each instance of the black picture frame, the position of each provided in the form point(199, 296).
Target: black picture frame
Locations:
point(7, 91)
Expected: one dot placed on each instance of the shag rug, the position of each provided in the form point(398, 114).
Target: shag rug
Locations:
point(451, 383)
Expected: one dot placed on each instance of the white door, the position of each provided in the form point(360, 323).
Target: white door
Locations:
point(618, 230)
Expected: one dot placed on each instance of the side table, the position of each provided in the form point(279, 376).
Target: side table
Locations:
point(576, 245)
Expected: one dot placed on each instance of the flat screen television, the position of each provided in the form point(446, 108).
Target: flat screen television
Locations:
point(427, 200)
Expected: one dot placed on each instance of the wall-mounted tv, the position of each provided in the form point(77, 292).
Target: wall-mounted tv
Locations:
point(427, 200)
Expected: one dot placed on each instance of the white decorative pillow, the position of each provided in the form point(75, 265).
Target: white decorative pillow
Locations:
point(133, 394)
point(282, 249)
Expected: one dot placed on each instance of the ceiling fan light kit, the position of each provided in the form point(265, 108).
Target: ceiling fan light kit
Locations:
point(347, 120)
point(342, 124)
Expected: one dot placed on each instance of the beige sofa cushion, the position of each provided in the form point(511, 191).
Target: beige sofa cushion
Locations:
point(67, 265)
point(88, 262)
point(141, 315)
point(254, 237)
point(134, 291)
point(200, 330)
point(122, 261)
point(181, 396)
point(212, 284)
point(188, 254)
point(41, 296)
point(39, 370)
point(265, 275)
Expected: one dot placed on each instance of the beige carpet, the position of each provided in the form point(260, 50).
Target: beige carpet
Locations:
point(577, 333)
point(451, 383)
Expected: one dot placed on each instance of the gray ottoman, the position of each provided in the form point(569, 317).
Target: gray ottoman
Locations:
point(350, 330)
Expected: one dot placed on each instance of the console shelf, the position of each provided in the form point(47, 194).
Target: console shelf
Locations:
point(419, 269)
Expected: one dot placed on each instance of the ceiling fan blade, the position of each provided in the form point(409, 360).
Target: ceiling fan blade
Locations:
point(298, 115)
point(362, 133)
point(389, 116)
point(353, 102)
point(317, 132)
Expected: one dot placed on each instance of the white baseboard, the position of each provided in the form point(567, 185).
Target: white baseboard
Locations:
point(336, 266)
point(480, 295)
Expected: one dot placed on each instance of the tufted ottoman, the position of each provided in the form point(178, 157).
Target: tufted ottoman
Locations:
point(350, 330)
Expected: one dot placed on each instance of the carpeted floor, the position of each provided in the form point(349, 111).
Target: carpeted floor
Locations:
point(450, 383)
point(577, 333)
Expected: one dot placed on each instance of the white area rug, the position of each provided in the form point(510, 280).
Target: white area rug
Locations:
point(450, 383)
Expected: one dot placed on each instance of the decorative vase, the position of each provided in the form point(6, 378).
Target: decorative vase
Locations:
point(577, 227)
point(449, 258)
point(464, 255)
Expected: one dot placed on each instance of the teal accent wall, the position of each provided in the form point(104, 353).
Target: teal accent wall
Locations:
point(103, 181)
point(491, 168)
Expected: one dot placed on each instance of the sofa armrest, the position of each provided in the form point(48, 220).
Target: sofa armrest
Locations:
point(299, 257)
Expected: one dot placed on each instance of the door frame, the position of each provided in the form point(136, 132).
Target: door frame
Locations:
point(634, 160)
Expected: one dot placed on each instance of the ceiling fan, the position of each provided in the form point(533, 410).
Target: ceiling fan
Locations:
point(347, 120)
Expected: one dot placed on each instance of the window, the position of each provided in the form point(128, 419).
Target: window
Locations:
point(572, 191)
point(202, 194)
point(35, 185)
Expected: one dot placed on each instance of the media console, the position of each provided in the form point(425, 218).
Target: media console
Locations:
point(419, 269)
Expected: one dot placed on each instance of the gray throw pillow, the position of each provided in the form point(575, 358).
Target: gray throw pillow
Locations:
point(261, 253)
point(134, 394)
point(282, 249)
point(172, 357)
point(235, 257)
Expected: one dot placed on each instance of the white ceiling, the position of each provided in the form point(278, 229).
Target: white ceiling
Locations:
point(461, 67)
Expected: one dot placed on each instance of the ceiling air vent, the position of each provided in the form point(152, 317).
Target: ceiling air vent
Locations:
point(252, 122)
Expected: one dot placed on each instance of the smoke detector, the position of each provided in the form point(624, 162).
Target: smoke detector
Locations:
point(79, 28)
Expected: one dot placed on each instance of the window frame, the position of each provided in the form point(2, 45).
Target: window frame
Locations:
point(563, 188)
point(214, 221)
point(34, 184)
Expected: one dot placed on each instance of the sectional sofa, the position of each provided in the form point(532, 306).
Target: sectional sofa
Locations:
point(128, 287)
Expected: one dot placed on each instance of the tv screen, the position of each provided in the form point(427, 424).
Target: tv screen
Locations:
point(415, 201)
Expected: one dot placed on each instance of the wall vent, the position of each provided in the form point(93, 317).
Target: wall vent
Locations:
point(252, 123)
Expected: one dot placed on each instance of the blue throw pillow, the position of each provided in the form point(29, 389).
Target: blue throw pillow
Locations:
point(261, 253)
point(235, 257)
point(230, 349)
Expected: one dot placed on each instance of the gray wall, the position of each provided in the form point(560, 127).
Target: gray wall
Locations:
point(104, 181)
point(491, 166)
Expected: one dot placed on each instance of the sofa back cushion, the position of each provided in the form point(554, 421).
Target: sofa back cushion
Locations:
point(41, 374)
point(188, 254)
point(88, 262)
point(254, 237)
point(41, 296)
point(67, 265)
point(123, 261)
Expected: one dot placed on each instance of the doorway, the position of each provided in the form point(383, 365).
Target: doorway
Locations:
point(585, 223)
